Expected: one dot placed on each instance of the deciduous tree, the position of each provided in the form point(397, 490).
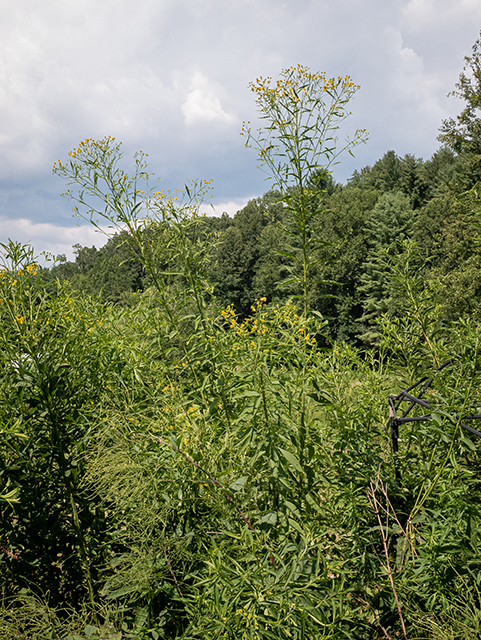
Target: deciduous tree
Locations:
point(464, 132)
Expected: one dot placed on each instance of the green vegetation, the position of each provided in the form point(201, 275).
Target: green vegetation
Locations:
point(194, 418)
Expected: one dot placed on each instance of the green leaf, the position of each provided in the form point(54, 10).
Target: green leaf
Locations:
point(121, 592)
point(10, 496)
point(291, 459)
point(269, 518)
point(310, 500)
point(247, 394)
point(238, 484)
point(292, 507)
point(437, 418)
point(470, 445)
point(401, 549)
point(141, 617)
point(295, 526)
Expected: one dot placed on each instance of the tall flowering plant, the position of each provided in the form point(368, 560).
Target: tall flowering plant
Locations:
point(303, 112)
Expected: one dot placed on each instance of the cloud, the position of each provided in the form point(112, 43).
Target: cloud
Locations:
point(57, 240)
point(230, 207)
point(72, 70)
point(202, 104)
point(51, 238)
point(171, 77)
point(413, 89)
point(430, 14)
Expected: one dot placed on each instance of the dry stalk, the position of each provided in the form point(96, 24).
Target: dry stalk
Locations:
point(376, 507)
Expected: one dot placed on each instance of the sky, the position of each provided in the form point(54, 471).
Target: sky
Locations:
point(170, 77)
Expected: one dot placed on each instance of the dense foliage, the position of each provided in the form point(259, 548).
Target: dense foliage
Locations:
point(356, 227)
point(194, 418)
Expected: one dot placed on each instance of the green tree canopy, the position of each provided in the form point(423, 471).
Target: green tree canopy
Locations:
point(390, 222)
point(464, 132)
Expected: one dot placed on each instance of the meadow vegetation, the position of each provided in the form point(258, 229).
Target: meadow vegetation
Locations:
point(195, 427)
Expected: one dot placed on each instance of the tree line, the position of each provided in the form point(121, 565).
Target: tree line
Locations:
point(360, 228)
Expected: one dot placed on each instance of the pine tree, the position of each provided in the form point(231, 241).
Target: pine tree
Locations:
point(391, 221)
point(385, 175)
point(412, 182)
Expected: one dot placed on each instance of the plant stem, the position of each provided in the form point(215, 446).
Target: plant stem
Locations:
point(373, 501)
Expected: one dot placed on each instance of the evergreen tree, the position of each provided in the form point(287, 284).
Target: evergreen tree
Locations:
point(412, 180)
point(391, 221)
point(439, 170)
point(463, 134)
point(385, 175)
point(428, 228)
point(448, 231)
point(343, 231)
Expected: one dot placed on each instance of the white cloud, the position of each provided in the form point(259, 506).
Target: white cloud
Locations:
point(430, 14)
point(50, 238)
point(415, 89)
point(202, 104)
point(171, 77)
point(230, 207)
point(72, 70)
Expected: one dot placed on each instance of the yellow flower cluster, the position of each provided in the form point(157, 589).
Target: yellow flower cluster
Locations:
point(249, 618)
point(298, 83)
point(253, 325)
point(87, 146)
point(259, 302)
point(229, 314)
point(89, 143)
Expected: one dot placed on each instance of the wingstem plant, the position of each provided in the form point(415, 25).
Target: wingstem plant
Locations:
point(303, 113)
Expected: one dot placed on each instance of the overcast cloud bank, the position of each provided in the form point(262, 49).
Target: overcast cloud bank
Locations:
point(171, 77)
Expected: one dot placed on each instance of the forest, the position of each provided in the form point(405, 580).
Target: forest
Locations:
point(255, 428)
